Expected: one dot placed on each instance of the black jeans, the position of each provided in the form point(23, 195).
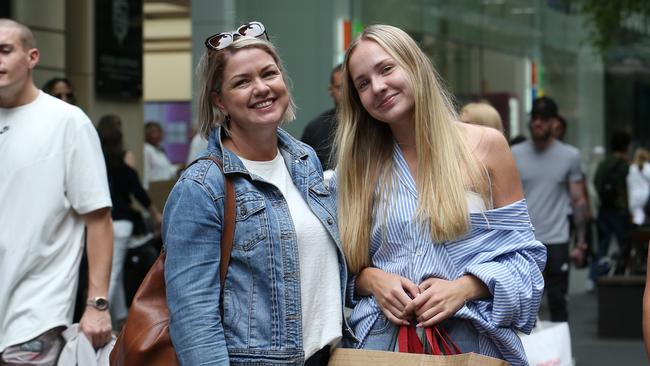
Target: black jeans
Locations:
point(557, 280)
point(612, 222)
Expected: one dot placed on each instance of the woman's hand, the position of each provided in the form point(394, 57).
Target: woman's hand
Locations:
point(392, 292)
point(440, 299)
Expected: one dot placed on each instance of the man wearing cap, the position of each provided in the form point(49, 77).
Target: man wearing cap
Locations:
point(553, 180)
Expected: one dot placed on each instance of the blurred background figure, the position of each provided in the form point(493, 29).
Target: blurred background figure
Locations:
point(157, 166)
point(516, 140)
point(198, 144)
point(60, 87)
point(123, 183)
point(319, 133)
point(481, 114)
point(558, 129)
point(613, 215)
point(638, 186)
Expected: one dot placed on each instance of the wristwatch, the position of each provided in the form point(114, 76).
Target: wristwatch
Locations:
point(99, 303)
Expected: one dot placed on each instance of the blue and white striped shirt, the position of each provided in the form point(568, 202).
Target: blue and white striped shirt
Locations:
point(500, 250)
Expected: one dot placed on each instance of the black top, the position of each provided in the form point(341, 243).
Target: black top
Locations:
point(123, 182)
point(319, 134)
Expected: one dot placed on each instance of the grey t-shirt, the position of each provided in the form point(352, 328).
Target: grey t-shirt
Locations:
point(546, 176)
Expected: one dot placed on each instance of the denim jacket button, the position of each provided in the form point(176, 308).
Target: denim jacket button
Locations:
point(330, 221)
point(243, 211)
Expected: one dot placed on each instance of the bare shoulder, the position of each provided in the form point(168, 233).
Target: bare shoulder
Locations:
point(491, 149)
point(486, 143)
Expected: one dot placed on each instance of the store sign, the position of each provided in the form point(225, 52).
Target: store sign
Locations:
point(118, 48)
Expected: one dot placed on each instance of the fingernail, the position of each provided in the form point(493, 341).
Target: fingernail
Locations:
point(419, 325)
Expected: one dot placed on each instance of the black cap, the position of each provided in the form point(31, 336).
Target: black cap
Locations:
point(544, 107)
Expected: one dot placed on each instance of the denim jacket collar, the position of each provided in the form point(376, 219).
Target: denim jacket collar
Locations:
point(232, 163)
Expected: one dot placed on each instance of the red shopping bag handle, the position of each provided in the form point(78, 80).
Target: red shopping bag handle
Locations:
point(409, 342)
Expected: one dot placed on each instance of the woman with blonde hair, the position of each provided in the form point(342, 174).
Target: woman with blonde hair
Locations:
point(481, 114)
point(433, 221)
point(638, 185)
point(282, 299)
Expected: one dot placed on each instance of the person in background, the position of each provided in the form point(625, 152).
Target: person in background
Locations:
point(53, 186)
point(157, 166)
point(60, 87)
point(283, 295)
point(613, 214)
point(436, 229)
point(646, 309)
point(553, 180)
point(559, 128)
point(198, 145)
point(638, 186)
point(481, 114)
point(124, 183)
point(517, 140)
point(319, 133)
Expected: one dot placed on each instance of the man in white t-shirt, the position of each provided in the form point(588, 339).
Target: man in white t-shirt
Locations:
point(54, 183)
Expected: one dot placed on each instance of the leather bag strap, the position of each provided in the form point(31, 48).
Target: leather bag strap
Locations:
point(228, 231)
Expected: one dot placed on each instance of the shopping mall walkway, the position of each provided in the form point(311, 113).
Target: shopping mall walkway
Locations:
point(588, 348)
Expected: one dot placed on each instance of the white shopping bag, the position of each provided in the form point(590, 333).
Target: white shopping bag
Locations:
point(549, 344)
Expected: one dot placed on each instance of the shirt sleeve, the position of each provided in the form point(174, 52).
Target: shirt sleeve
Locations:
point(576, 173)
point(192, 274)
point(86, 180)
point(513, 275)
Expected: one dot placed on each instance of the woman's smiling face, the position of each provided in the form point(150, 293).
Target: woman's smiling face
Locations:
point(381, 83)
point(253, 93)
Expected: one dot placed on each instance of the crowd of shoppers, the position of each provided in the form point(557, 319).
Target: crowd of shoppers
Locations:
point(424, 222)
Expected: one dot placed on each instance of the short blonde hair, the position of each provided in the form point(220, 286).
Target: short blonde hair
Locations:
point(210, 73)
point(481, 114)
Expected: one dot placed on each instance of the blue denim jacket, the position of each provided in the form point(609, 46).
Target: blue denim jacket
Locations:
point(262, 320)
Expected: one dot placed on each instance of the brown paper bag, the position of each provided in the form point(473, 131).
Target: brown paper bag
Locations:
point(356, 357)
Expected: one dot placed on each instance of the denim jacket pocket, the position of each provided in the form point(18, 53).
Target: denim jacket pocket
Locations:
point(252, 221)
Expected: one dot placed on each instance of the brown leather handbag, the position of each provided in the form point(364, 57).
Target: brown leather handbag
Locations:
point(145, 340)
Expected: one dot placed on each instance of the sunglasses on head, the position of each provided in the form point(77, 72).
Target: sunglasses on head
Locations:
point(222, 40)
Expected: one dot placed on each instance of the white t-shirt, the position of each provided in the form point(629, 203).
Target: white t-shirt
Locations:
point(53, 171)
point(320, 292)
point(157, 166)
point(638, 191)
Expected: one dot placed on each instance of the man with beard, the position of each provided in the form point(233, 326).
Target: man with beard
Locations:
point(553, 180)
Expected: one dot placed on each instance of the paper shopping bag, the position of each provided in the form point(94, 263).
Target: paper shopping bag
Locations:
point(548, 344)
point(360, 357)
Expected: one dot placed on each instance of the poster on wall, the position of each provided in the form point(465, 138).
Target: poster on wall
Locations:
point(174, 117)
point(118, 48)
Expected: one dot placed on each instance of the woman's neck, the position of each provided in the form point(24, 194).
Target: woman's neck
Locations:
point(262, 145)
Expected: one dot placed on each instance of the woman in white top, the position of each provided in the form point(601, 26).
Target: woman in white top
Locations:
point(638, 185)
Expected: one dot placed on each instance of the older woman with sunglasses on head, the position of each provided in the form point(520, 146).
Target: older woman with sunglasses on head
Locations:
point(282, 298)
point(436, 228)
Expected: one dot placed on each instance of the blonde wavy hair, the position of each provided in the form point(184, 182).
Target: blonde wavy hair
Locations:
point(446, 166)
point(210, 73)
